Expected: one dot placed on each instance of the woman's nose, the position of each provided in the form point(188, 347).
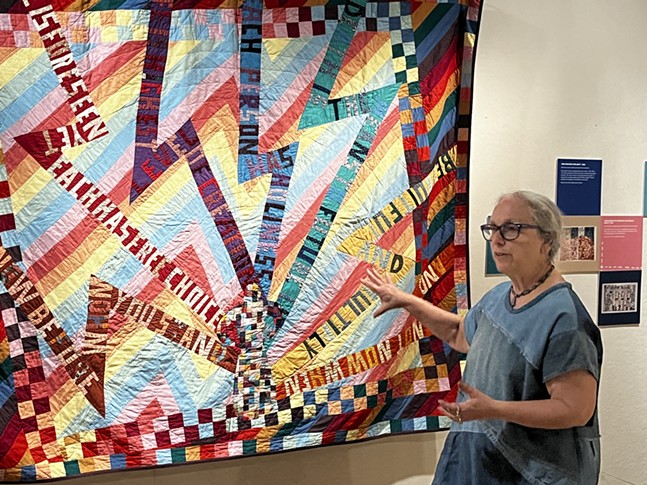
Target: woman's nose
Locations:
point(497, 238)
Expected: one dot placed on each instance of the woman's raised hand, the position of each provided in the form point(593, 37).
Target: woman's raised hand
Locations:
point(380, 284)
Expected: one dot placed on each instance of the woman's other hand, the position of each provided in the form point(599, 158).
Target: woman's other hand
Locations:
point(477, 406)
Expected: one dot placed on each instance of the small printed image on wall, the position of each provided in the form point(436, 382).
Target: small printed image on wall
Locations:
point(577, 244)
point(619, 297)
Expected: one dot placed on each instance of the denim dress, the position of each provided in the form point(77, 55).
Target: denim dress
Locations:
point(513, 353)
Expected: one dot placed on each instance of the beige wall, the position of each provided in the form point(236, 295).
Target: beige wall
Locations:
point(568, 78)
point(554, 78)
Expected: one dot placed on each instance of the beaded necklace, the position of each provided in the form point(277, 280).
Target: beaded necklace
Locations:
point(514, 295)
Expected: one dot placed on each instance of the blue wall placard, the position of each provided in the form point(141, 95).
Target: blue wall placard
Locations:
point(579, 185)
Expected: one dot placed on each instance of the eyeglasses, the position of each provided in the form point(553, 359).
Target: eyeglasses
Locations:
point(509, 231)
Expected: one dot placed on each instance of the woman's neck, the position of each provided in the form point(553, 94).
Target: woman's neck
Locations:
point(523, 295)
point(524, 281)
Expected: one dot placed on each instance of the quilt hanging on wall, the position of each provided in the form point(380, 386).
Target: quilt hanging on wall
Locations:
point(190, 194)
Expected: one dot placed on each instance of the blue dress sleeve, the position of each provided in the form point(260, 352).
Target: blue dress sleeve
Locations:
point(572, 346)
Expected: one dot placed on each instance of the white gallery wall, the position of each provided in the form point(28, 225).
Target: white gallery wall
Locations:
point(568, 79)
point(554, 78)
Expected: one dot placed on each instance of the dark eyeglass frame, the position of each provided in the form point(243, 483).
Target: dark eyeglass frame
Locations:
point(508, 225)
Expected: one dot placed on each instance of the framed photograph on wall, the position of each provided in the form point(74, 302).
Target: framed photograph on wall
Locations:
point(619, 298)
point(579, 250)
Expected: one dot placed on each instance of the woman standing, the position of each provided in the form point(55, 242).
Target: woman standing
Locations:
point(527, 410)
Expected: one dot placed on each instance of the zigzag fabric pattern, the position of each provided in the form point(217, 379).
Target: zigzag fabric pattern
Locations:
point(190, 194)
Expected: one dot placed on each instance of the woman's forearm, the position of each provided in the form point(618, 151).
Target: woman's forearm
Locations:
point(573, 397)
point(545, 414)
point(445, 325)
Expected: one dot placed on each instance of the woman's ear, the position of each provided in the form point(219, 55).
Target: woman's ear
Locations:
point(547, 244)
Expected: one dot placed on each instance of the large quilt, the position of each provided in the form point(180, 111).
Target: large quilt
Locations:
point(190, 194)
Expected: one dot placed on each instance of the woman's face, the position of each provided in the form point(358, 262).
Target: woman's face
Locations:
point(525, 254)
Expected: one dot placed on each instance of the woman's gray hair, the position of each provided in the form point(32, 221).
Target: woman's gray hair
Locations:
point(546, 215)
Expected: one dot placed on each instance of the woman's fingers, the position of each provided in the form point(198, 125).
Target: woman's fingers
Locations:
point(375, 281)
point(380, 284)
point(371, 280)
point(379, 311)
point(373, 277)
point(471, 391)
point(454, 411)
